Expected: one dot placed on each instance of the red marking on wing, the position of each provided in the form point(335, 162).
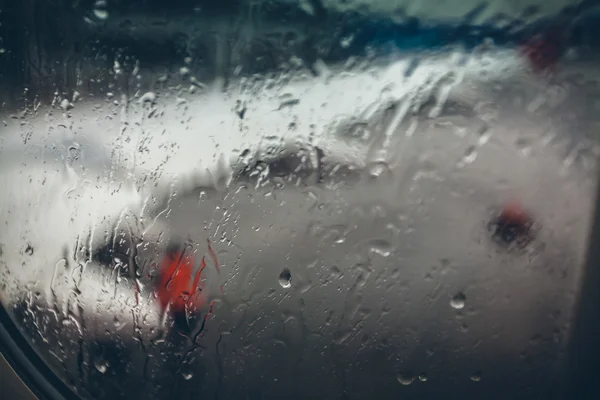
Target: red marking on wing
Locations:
point(175, 286)
point(514, 213)
point(178, 291)
point(544, 50)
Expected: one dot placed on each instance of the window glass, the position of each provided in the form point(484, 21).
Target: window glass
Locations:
point(313, 199)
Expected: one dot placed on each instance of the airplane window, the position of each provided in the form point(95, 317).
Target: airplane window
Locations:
point(311, 199)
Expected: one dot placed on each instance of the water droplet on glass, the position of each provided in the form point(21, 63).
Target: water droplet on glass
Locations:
point(423, 377)
point(380, 247)
point(187, 375)
point(65, 104)
point(101, 14)
point(470, 156)
point(378, 170)
point(285, 278)
point(100, 9)
point(346, 41)
point(458, 301)
point(524, 146)
point(476, 377)
point(148, 97)
point(335, 272)
point(287, 103)
point(406, 379)
point(246, 157)
point(29, 250)
point(184, 71)
point(307, 7)
point(484, 136)
point(101, 366)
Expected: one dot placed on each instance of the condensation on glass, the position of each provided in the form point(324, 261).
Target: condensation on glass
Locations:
point(297, 199)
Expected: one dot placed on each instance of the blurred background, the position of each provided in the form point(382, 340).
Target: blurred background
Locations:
point(328, 199)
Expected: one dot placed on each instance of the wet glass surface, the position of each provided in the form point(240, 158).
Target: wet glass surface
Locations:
point(299, 199)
